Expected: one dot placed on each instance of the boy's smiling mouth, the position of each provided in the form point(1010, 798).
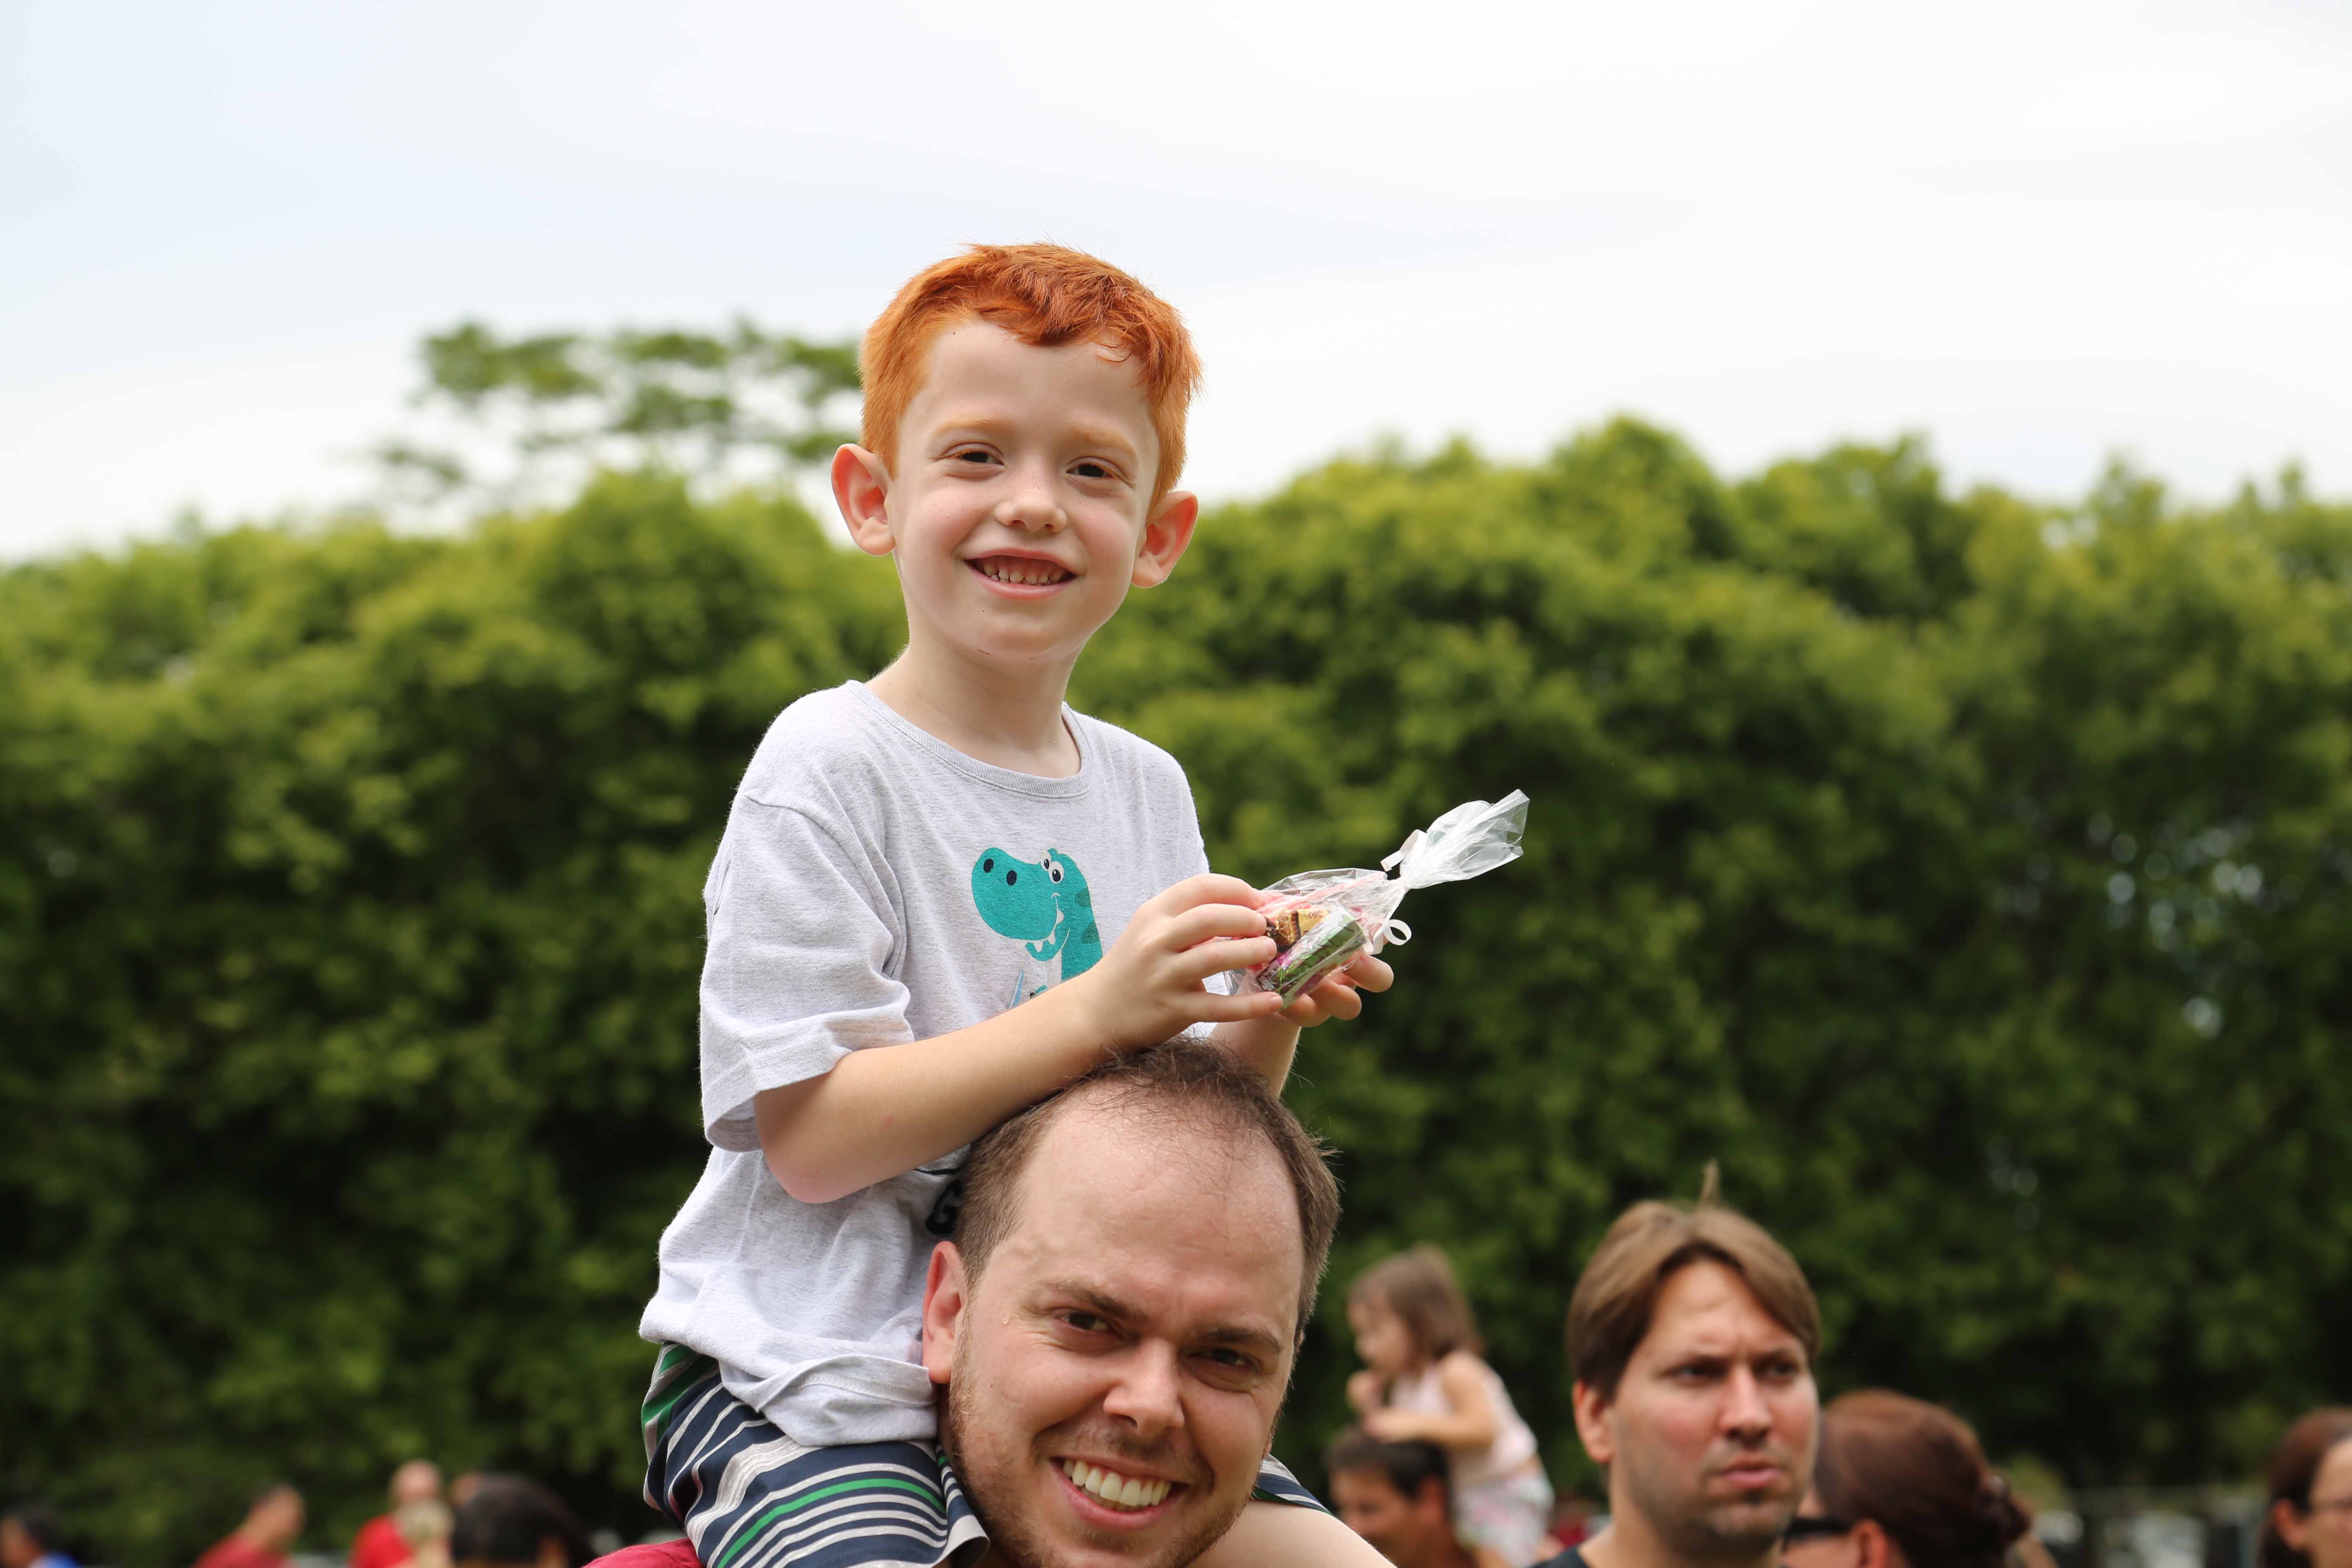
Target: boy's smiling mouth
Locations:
point(1021, 570)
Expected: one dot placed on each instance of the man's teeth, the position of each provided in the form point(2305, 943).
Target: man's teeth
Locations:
point(1031, 572)
point(1110, 1486)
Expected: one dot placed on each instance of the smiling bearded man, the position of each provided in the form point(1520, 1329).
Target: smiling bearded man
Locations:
point(1115, 1321)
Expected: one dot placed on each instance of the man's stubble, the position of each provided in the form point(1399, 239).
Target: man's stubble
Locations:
point(1696, 1531)
point(1012, 1540)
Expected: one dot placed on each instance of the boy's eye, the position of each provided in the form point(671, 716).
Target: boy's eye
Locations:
point(1091, 470)
point(974, 455)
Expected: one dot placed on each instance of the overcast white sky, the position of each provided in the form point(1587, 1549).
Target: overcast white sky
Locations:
point(2038, 232)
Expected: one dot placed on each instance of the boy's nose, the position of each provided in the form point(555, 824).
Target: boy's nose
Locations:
point(1032, 504)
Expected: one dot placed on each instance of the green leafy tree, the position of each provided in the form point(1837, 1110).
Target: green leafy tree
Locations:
point(527, 418)
point(353, 923)
point(1964, 876)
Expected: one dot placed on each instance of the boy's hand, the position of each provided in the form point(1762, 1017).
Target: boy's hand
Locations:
point(1334, 995)
point(1148, 985)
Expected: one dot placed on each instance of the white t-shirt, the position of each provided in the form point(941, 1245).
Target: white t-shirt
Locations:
point(876, 885)
point(1514, 1444)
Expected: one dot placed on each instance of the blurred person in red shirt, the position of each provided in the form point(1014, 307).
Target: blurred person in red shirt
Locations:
point(270, 1528)
point(29, 1538)
point(379, 1544)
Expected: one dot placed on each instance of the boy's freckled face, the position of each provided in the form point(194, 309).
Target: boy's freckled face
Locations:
point(1019, 493)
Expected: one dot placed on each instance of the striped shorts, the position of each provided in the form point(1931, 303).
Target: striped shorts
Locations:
point(748, 1497)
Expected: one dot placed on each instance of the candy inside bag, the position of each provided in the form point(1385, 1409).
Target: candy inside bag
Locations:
point(1323, 918)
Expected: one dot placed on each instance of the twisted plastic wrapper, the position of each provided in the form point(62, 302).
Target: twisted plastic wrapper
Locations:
point(1323, 918)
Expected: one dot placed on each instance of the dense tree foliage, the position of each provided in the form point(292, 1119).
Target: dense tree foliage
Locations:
point(1966, 877)
point(525, 417)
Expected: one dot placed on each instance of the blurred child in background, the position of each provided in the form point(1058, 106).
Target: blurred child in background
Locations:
point(423, 1525)
point(1423, 1381)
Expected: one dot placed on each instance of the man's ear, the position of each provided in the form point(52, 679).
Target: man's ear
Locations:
point(1167, 534)
point(2292, 1527)
point(1876, 1547)
point(1593, 1423)
point(861, 488)
point(944, 1299)
point(1429, 1499)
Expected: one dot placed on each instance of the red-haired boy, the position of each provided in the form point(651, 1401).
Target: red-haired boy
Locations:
point(940, 895)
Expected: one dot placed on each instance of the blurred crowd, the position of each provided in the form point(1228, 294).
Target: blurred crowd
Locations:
point(1440, 1471)
point(482, 1522)
point(1692, 1338)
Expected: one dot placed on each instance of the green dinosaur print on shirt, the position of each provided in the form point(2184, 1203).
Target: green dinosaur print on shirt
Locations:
point(1042, 904)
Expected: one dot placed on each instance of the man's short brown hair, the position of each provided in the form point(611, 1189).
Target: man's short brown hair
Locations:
point(1204, 1089)
point(1608, 1316)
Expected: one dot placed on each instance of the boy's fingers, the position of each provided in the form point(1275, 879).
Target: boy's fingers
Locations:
point(1208, 888)
point(1207, 922)
point(1369, 973)
point(1330, 999)
point(1201, 959)
point(1237, 1009)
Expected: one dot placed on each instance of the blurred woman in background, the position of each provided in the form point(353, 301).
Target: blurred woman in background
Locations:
point(1902, 1483)
point(2309, 1523)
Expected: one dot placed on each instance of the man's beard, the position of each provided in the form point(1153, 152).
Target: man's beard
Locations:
point(993, 1480)
point(1700, 1531)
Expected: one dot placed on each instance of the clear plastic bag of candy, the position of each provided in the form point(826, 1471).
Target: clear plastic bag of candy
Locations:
point(1323, 918)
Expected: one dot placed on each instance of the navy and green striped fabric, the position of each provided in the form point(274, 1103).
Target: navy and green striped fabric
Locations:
point(749, 1497)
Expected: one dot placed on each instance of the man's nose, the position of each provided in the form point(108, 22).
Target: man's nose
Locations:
point(1745, 1413)
point(1032, 500)
point(1147, 1394)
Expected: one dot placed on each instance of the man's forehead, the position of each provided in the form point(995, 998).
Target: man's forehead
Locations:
point(1196, 1219)
point(1365, 1483)
point(1708, 1308)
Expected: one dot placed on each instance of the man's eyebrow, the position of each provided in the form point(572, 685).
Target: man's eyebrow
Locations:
point(1240, 1336)
point(1107, 1305)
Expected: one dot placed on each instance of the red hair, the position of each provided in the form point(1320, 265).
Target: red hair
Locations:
point(1045, 295)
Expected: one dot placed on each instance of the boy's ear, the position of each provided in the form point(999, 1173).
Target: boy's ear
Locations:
point(861, 488)
point(944, 1301)
point(1167, 534)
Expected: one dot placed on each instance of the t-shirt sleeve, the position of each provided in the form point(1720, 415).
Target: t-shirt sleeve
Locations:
point(796, 975)
point(1187, 856)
